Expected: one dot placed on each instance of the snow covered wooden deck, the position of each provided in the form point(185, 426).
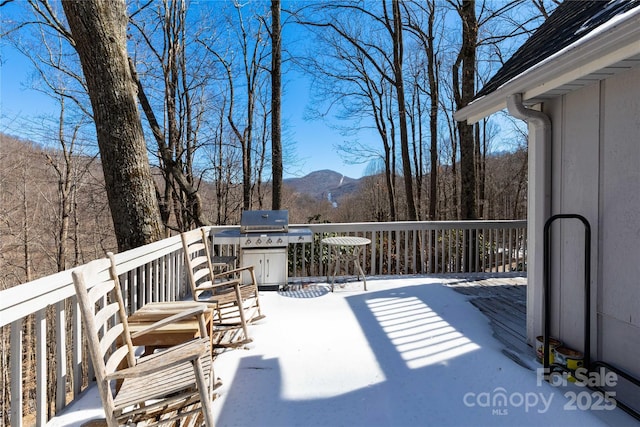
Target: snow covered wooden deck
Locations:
point(410, 351)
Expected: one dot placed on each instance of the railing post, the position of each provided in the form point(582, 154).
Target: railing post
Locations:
point(60, 355)
point(42, 379)
point(16, 373)
point(76, 325)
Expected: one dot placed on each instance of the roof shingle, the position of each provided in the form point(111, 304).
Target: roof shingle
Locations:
point(572, 20)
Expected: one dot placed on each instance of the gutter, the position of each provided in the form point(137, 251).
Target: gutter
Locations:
point(516, 108)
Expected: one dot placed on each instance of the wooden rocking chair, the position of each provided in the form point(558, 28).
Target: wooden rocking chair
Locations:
point(235, 304)
point(162, 388)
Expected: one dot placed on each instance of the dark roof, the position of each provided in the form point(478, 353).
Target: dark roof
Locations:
point(569, 22)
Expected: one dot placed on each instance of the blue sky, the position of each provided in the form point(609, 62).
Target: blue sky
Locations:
point(313, 141)
point(17, 100)
point(312, 144)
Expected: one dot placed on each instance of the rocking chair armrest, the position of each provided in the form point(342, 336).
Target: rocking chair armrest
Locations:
point(235, 270)
point(228, 282)
point(169, 358)
point(197, 310)
point(212, 286)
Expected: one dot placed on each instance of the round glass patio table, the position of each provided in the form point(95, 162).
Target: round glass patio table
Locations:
point(347, 249)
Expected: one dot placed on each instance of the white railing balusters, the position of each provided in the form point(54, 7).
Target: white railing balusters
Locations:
point(16, 366)
point(156, 273)
point(61, 354)
point(162, 277)
point(42, 379)
point(76, 330)
point(149, 279)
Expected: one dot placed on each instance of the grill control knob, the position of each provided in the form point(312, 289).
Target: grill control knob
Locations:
point(248, 242)
point(259, 241)
point(279, 239)
point(269, 241)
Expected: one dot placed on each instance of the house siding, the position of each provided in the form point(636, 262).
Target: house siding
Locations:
point(595, 172)
point(620, 219)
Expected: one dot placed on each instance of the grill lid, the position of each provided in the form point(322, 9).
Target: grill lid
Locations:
point(264, 221)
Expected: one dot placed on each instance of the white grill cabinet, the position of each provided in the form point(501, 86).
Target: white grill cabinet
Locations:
point(269, 264)
point(263, 239)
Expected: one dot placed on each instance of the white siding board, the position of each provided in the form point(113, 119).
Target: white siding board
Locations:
point(620, 344)
point(595, 172)
point(621, 199)
point(579, 164)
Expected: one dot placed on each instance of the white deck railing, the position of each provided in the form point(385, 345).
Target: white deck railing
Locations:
point(47, 309)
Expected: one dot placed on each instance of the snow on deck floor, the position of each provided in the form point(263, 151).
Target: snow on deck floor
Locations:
point(408, 352)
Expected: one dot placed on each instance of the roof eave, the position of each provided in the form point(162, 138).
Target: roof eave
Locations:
point(576, 61)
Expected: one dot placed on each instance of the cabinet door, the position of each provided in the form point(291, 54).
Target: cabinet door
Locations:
point(255, 258)
point(270, 266)
point(275, 267)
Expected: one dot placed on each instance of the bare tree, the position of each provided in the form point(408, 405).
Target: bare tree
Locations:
point(260, 148)
point(65, 173)
point(544, 7)
point(374, 96)
point(224, 159)
point(251, 80)
point(179, 89)
point(398, 47)
point(340, 18)
point(464, 77)
point(427, 40)
point(276, 107)
point(98, 29)
point(57, 75)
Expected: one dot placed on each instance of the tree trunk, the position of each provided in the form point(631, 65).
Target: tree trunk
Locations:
point(434, 95)
point(465, 90)
point(99, 32)
point(388, 179)
point(276, 97)
point(64, 174)
point(402, 113)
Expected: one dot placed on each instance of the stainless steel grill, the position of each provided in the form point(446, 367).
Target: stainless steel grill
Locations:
point(263, 239)
point(264, 222)
point(264, 229)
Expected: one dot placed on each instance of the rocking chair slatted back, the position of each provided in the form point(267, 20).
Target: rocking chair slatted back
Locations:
point(236, 304)
point(171, 385)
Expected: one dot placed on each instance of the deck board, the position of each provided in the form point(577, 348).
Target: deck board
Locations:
point(504, 301)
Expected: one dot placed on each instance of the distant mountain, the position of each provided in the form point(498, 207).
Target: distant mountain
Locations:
point(324, 185)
